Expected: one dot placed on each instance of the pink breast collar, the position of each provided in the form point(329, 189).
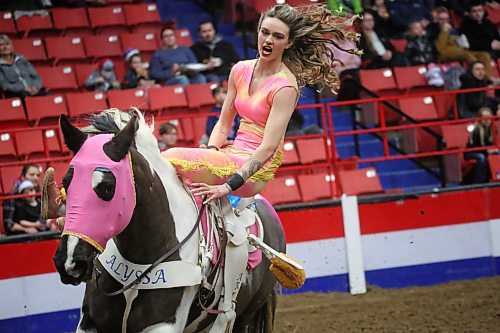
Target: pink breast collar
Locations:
point(88, 216)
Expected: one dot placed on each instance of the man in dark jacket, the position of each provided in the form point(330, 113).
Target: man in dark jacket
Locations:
point(481, 32)
point(18, 78)
point(218, 54)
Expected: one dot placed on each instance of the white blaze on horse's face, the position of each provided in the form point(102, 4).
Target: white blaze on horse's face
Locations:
point(69, 264)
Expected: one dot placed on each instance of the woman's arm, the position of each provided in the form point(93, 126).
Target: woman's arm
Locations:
point(223, 126)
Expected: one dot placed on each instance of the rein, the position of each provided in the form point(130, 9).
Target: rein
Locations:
point(157, 262)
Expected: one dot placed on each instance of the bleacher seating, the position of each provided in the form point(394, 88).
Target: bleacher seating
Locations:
point(65, 50)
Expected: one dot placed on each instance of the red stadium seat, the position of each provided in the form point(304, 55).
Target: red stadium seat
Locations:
point(142, 13)
point(102, 46)
point(7, 146)
point(316, 187)
point(183, 37)
point(455, 135)
point(168, 99)
point(399, 44)
point(311, 150)
point(60, 167)
point(83, 103)
point(290, 155)
point(411, 78)
point(106, 16)
point(127, 99)
point(419, 108)
point(7, 25)
point(28, 23)
point(9, 175)
point(282, 189)
point(31, 143)
point(12, 114)
point(494, 161)
point(360, 181)
point(200, 96)
point(83, 71)
point(70, 19)
point(31, 48)
point(144, 42)
point(64, 49)
point(58, 78)
point(46, 109)
point(380, 81)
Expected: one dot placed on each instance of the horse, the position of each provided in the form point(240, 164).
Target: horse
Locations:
point(119, 187)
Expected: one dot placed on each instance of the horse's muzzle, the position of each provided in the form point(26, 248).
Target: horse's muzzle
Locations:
point(75, 267)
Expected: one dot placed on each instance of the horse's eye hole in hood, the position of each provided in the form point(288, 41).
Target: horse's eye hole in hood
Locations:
point(104, 183)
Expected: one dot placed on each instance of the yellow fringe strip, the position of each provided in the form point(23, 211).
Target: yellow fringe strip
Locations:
point(85, 238)
point(265, 174)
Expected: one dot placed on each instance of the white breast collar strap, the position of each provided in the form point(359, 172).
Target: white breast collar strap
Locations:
point(169, 274)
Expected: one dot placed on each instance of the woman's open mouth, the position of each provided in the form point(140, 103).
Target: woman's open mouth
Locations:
point(267, 50)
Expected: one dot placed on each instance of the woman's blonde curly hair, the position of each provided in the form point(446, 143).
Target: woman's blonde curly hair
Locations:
point(313, 31)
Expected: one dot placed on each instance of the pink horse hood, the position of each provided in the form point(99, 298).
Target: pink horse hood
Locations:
point(87, 215)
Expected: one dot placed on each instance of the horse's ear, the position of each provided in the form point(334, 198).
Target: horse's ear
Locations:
point(73, 137)
point(118, 147)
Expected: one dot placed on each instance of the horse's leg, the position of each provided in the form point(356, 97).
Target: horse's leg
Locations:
point(86, 324)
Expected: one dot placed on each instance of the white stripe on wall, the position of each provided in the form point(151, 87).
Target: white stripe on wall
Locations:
point(426, 246)
point(37, 294)
point(320, 258)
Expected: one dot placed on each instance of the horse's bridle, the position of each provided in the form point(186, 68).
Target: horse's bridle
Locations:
point(157, 262)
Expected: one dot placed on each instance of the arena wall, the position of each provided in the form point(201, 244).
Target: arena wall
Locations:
point(406, 240)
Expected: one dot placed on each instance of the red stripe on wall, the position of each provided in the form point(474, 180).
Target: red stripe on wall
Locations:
point(24, 259)
point(427, 211)
point(312, 224)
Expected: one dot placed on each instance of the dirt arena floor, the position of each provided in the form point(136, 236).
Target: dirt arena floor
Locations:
point(464, 306)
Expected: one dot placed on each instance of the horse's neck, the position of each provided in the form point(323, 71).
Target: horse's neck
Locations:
point(151, 231)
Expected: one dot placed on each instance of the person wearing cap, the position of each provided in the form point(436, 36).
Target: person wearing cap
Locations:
point(104, 78)
point(168, 64)
point(27, 212)
point(137, 74)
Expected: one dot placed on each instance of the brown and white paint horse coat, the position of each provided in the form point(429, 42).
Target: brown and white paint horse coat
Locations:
point(164, 213)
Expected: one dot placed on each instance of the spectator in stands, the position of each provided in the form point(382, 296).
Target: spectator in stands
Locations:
point(104, 78)
point(168, 136)
point(219, 94)
point(404, 11)
point(169, 64)
point(296, 126)
point(378, 51)
point(418, 50)
point(18, 77)
point(481, 136)
point(381, 15)
point(212, 50)
point(450, 46)
point(470, 103)
point(345, 7)
point(348, 71)
point(27, 212)
point(481, 32)
point(29, 172)
point(137, 74)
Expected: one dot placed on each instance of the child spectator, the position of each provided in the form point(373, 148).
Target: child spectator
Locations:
point(104, 78)
point(27, 212)
point(418, 50)
point(168, 136)
point(137, 74)
point(481, 136)
point(29, 172)
point(219, 94)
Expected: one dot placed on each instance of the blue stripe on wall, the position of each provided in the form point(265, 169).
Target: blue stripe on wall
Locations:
point(54, 322)
point(420, 275)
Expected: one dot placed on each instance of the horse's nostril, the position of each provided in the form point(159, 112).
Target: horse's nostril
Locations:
point(78, 269)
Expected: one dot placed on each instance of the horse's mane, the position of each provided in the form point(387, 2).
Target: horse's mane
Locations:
point(182, 206)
